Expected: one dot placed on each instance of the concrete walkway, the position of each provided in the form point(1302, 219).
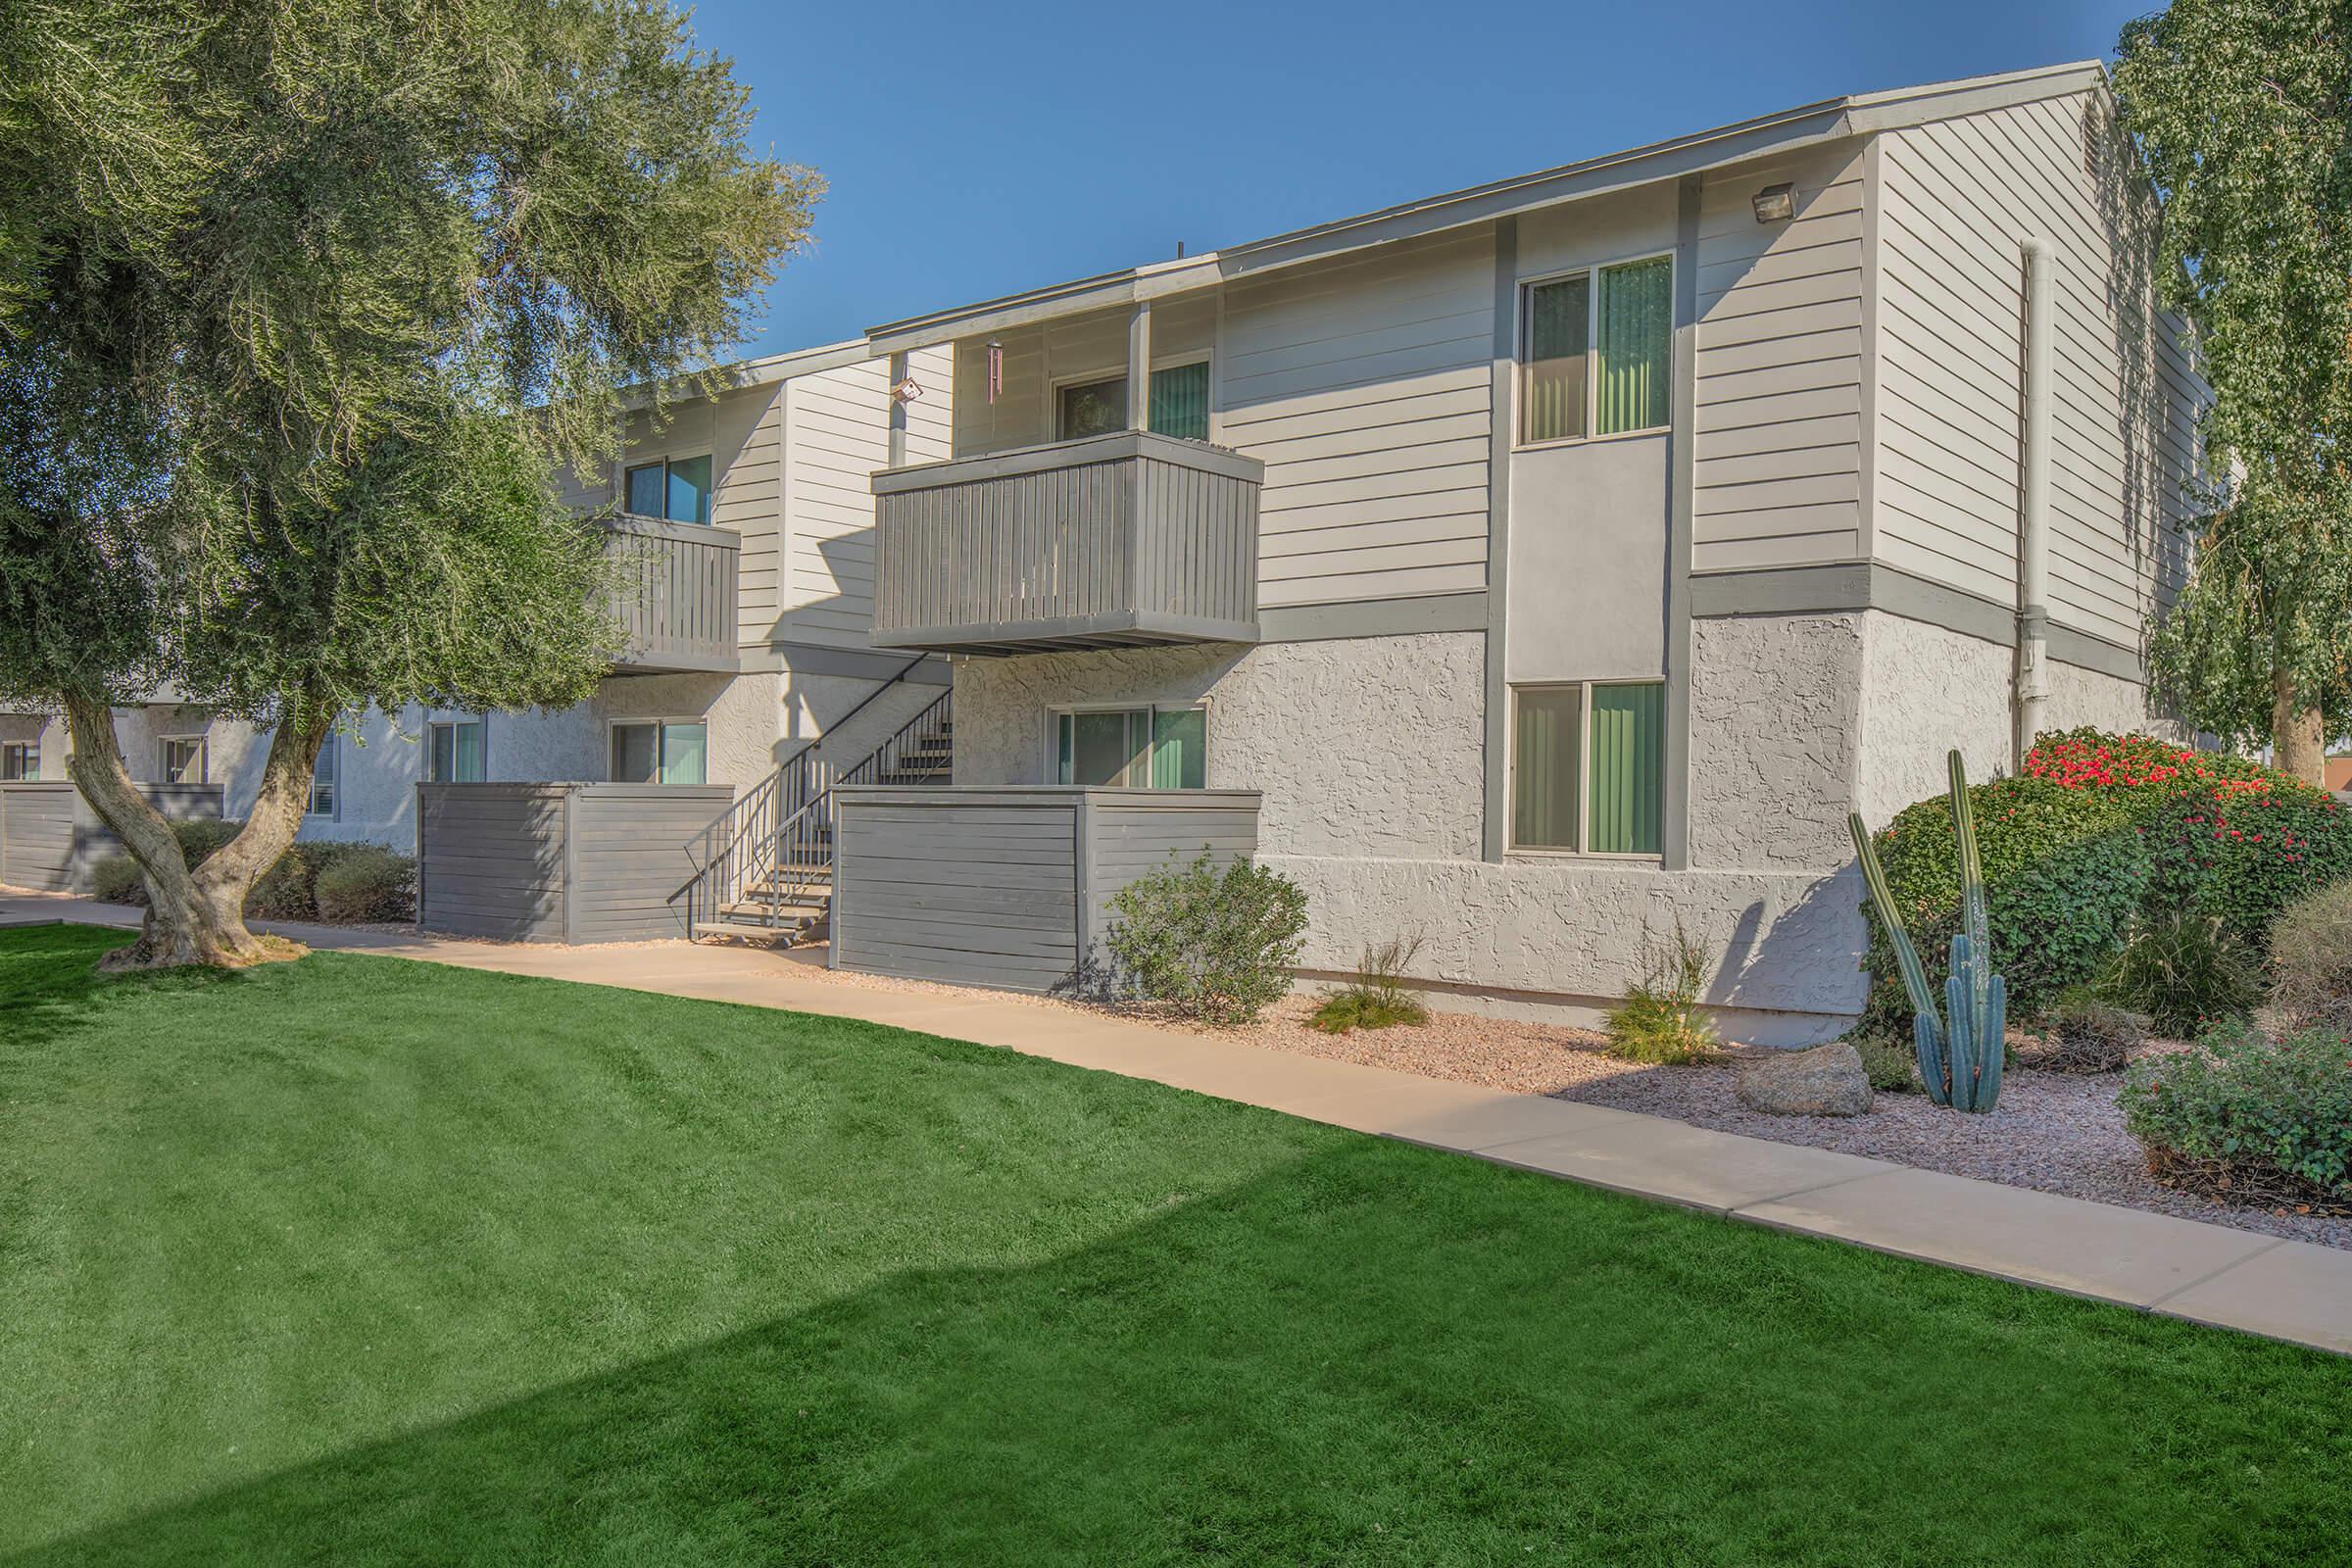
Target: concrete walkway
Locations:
point(2181, 1268)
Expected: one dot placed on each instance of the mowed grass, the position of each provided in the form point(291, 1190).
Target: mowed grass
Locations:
point(359, 1260)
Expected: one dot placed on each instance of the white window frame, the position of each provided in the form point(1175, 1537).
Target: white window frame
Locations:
point(433, 725)
point(1171, 362)
point(334, 788)
point(29, 771)
point(1519, 352)
point(659, 722)
point(645, 460)
point(163, 759)
point(1052, 773)
point(1584, 775)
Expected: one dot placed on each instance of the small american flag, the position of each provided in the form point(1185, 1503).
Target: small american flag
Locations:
point(996, 371)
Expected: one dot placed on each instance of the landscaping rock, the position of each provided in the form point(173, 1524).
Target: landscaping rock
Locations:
point(1826, 1081)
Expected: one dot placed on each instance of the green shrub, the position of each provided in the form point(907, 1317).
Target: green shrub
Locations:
point(2088, 1034)
point(200, 836)
point(1660, 1021)
point(2094, 831)
point(1377, 998)
point(1214, 946)
point(115, 878)
point(2311, 959)
point(2249, 1119)
point(367, 883)
point(1892, 1065)
point(2186, 970)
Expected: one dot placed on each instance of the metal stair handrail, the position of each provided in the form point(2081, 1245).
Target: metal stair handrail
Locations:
point(780, 837)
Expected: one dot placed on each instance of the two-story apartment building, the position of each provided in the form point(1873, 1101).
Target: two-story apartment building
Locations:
point(1568, 555)
point(749, 522)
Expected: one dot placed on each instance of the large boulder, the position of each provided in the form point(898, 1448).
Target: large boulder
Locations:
point(1826, 1081)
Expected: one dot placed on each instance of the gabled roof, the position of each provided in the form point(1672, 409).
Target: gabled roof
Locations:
point(1790, 130)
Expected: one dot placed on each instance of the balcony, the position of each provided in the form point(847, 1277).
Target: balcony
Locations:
point(677, 598)
point(1110, 540)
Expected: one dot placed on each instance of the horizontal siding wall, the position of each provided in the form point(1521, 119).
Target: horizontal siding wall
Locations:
point(1364, 386)
point(1778, 425)
point(51, 839)
point(836, 433)
point(490, 861)
point(1958, 200)
point(1128, 838)
point(628, 856)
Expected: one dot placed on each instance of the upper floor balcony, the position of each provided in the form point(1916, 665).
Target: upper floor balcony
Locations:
point(1107, 541)
point(676, 597)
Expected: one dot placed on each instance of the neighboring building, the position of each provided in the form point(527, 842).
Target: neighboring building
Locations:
point(1584, 546)
point(749, 642)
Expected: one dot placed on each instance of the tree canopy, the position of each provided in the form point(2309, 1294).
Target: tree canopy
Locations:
point(305, 305)
point(2244, 113)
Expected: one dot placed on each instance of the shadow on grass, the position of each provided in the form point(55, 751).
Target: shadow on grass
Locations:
point(1376, 1353)
point(50, 986)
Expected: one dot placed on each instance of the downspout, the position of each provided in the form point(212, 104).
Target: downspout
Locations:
point(2033, 515)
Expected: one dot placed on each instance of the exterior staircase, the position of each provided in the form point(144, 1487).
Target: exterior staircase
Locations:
point(767, 867)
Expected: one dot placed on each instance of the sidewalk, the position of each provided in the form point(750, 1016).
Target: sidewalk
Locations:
point(2181, 1268)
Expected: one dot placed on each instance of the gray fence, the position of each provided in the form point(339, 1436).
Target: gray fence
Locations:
point(1007, 887)
point(558, 863)
point(50, 838)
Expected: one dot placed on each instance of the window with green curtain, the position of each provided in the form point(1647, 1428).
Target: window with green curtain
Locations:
point(1628, 753)
point(1180, 401)
point(1552, 377)
point(1180, 749)
point(1544, 753)
point(1636, 334)
point(685, 754)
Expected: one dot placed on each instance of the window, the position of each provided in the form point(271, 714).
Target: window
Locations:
point(1154, 748)
point(322, 780)
point(460, 751)
point(1602, 341)
point(183, 759)
point(675, 488)
point(660, 751)
point(20, 762)
point(1179, 404)
point(1588, 766)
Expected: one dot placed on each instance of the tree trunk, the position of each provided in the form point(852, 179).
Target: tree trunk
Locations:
point(2298, 743)
point(195, 916)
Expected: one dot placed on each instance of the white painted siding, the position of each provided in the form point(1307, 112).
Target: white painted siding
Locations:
point(1365, 387)
point(1778, 431)
point(836, 433)
point(1958, 198)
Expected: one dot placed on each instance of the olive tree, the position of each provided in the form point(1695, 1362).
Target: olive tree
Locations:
point(2241, 112)
point(305, 305)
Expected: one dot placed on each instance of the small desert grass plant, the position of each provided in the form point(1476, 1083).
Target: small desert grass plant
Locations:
point(1209, 945)
point(2186, 971)
point(2311, 959)
point(1661, 1022)
point(1377, 998)
point(1892, 1065)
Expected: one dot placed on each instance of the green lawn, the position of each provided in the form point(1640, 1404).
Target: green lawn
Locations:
point(359, 1260)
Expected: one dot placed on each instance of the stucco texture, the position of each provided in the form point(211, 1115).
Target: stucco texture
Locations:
point(1926, 690)
point(1774, 704)
point(1368, 753)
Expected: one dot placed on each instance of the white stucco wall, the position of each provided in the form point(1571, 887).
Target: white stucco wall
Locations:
point(1926, 690)
point(1369, 754)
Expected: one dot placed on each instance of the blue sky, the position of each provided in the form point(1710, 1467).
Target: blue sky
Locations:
point(979, 148)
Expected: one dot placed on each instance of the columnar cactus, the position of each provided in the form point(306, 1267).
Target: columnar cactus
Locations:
point(1961, 1052)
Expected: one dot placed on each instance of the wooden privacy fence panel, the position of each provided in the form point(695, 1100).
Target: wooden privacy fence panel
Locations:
point(1008, 887)
point(51, 838)
point(558, 863)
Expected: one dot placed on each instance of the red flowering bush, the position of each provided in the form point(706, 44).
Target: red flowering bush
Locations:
point(2095, 829)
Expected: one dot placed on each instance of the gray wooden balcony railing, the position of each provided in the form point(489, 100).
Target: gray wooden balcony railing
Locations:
point(676, 597)
point(1108, 541)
